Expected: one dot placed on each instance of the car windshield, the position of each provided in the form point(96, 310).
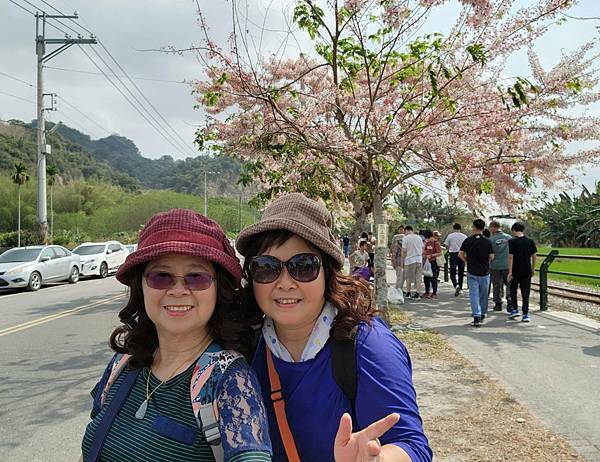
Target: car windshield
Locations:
point(89, 249)
point(19, 255)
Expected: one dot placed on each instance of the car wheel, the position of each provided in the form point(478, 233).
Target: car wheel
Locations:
point(35, 282)
point(74, 276)
point(103, 270)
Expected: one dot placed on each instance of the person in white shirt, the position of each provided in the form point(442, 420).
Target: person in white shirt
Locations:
point(412, 255)
point(453, 242)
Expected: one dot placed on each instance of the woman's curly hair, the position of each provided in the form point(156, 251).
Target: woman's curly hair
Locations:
point(231, 325)
point(351, 297)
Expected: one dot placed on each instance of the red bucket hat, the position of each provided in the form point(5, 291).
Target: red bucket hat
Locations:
point(184, 232)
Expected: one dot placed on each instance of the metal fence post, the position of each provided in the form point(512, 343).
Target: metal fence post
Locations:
point(544, 279)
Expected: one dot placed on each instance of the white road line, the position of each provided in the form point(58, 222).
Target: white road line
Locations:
point(53, 317)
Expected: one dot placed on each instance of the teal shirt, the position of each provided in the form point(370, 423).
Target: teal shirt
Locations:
point(500, 247)
point(169, 431)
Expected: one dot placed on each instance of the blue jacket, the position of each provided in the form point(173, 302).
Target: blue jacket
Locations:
point(314, 403)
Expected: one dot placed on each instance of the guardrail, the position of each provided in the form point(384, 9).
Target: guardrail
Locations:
point(544, 271)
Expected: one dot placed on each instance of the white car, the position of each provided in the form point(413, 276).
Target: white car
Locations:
point(101, 258)
point(30, 267)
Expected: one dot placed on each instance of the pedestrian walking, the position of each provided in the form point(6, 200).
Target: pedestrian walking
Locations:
point(522, 254)
point(476, 251)
point(293, 270)
point(457, 267)
point(431, 251)
point(396, 257)
point(499, 266)
point(176, 363)
point(412, 255)
point(346, 245)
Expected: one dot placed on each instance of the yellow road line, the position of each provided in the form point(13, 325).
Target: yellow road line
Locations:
point(52, 317)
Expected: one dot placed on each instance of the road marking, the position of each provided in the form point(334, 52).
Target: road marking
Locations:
point(52, 317)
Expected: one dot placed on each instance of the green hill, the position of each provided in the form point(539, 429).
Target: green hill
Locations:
point(116, 160)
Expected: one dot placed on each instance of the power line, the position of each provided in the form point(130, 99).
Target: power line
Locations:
point(176, 141)
point(22, 7)
point(17, 79)
point(98, 73)
point(18, 97)
point(128, 100)
point(172, 140)
point(63, 99)
point(71, 105)
point(55, 19)
point(75, 123)
point(144, 96)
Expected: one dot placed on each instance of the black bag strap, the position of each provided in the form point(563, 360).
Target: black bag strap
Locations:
point(343, 364)
point(109, 416)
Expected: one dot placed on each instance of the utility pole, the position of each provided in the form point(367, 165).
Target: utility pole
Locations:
point(42, 149)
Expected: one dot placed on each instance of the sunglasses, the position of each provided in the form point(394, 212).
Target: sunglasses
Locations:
point(303, 267)
point(162, 280)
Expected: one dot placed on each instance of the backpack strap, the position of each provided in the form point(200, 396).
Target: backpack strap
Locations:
point(203, 393)
point(111, 412)
point(343, 365)
point(118, 365)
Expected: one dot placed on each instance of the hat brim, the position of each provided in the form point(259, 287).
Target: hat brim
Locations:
point(228, 262)
point(245, 237)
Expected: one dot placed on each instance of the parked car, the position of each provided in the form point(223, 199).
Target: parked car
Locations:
point(101, 258)
point(31, 267)
point(131, 247)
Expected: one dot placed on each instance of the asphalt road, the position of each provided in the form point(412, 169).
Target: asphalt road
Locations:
point(54, 347)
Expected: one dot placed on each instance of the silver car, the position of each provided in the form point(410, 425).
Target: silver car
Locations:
point(31, 267)
point(101, 258)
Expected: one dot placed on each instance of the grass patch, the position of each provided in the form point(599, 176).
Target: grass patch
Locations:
point(422, 342)
point(573, 266)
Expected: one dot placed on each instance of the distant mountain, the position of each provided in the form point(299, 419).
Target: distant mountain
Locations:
point(117, 160)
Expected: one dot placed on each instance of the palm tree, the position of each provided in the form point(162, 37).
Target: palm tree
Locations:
point(19, 177)
point(51, 172)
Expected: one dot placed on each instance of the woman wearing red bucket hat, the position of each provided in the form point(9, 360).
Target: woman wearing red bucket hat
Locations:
point(177, 389)
point(337, 383)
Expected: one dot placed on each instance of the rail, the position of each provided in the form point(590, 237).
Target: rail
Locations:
point(544, 270)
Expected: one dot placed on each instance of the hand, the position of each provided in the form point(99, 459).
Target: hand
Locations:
point(362, 446)
point(509, 277)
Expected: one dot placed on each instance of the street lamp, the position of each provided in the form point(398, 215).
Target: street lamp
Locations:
point(206, 172)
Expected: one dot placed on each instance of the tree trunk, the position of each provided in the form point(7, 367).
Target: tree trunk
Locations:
point(380, 260)
point(359, 222)
point(18, 216)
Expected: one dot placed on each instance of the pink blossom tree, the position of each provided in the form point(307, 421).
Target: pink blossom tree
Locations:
point(378, 102)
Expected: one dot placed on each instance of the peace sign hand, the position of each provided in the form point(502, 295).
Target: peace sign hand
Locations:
point(362, 446)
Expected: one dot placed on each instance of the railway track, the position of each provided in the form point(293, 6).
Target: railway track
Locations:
point(569, 293)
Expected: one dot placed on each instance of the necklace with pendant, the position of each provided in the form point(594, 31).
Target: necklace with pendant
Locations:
point(141, 412)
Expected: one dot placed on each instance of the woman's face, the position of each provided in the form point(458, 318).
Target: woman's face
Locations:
point(179, 310)
point(291, 304)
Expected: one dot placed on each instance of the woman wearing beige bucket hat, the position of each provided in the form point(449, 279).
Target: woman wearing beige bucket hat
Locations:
point(336, 381)
point(173, 392)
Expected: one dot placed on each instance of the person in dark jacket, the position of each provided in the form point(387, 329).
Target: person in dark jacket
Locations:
point(522, 253)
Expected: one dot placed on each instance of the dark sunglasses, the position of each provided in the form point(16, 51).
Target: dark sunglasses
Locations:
point(303, 267)
point(162, 280)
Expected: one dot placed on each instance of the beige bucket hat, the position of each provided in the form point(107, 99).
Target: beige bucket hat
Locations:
point(297, 213)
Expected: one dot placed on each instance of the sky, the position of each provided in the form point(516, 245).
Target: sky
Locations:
point(90, 103)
